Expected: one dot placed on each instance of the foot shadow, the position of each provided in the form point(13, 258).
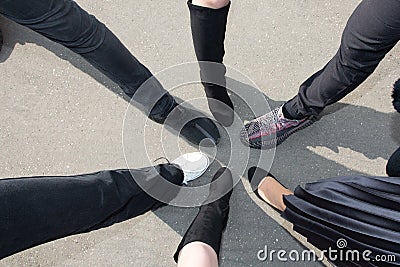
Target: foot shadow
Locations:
point(343, 127)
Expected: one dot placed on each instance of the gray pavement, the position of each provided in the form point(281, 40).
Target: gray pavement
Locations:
point(60, 116)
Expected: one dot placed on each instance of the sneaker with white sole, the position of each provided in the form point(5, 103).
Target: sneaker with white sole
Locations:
point(193, 165)
point(272, 129)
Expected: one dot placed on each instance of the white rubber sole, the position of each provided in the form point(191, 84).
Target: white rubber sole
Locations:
point(193, 165)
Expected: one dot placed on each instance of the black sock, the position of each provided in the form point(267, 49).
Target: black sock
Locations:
point(286, 113)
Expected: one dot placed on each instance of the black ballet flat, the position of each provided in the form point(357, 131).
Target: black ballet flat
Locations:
point(255, 176)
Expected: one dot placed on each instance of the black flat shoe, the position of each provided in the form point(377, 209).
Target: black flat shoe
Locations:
point(255, 176)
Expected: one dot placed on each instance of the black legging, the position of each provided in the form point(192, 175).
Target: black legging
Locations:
point(36, 210)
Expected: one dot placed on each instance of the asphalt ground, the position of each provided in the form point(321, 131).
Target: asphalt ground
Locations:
point(60, 116)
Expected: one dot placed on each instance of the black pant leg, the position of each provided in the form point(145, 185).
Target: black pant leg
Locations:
point(65, 22)
point(371, 32)
point(36, 210)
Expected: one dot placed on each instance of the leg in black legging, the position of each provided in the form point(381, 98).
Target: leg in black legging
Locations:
point(201, 243)
point(208, 19)
point(36, 210)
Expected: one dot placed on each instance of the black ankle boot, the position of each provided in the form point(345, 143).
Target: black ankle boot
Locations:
point(212, 218)
point(208, 32)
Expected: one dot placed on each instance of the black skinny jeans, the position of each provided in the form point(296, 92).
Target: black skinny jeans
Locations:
point(66, 23)
point(371, 32)
point(36, 210)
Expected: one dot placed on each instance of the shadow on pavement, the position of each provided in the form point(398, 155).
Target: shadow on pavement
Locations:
point(360, 129)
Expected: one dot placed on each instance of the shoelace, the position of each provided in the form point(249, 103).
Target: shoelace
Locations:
point(280, 123)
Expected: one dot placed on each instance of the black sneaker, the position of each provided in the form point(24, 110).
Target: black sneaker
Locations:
point(272, 129)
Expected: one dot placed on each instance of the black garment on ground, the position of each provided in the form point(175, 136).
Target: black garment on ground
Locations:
point(365, 211)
